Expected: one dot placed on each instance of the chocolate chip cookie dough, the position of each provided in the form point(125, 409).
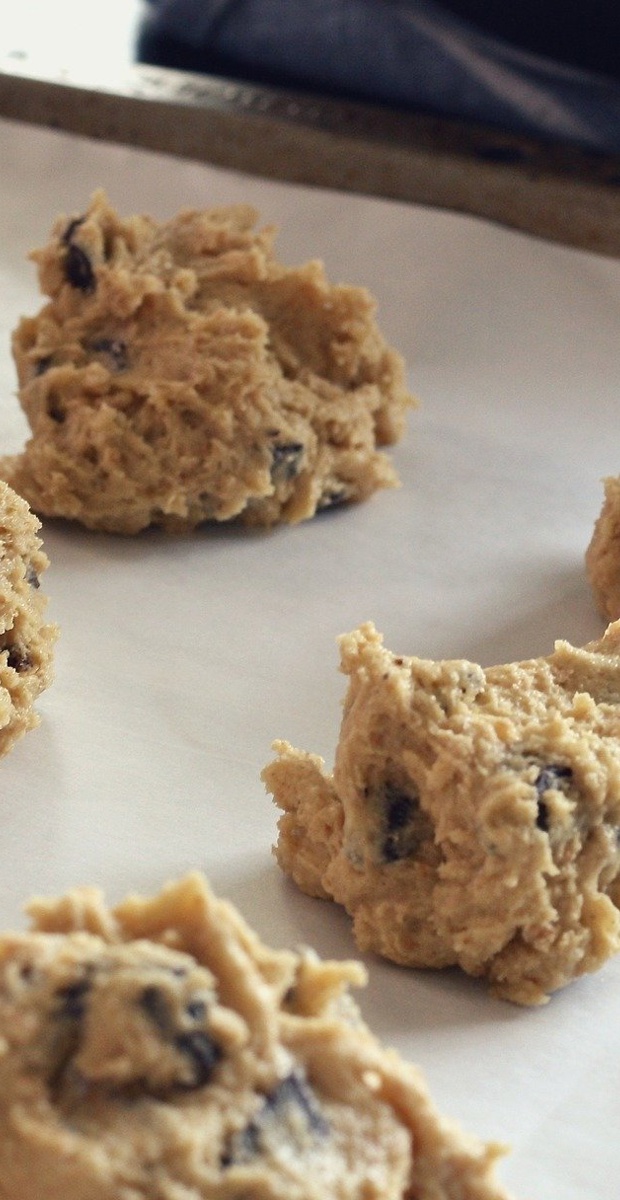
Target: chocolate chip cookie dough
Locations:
point(160, 1050)
point(26, 642)
point(472, 816)
point(180, 374)
point(603, 553)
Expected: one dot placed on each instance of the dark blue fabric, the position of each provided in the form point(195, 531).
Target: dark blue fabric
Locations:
point(410, 53)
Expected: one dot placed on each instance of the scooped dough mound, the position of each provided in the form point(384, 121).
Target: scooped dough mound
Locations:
point(472, 816)
point(160, 1051)
point(26, 642)
point(180, 374)
point(603, 553)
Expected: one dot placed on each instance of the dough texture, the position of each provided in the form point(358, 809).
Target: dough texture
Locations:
point(26, 642)
point(603, 553)
point(180, 374)
point(159, 1051)
point(472, 816)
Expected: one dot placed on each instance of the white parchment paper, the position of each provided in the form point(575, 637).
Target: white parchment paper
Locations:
point(181, 660)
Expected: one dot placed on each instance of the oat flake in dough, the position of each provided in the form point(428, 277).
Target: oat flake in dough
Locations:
point(159, 1051)
point(179, 374)
point(472, 816)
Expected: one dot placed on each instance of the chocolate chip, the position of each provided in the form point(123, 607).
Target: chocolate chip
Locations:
point(542, 816)
point(399, 811)
point(285, 460)
point(203, 1053)
point(332, 498)
point(19, 659)
point(73, 999)
point(114, 351)
point(78, 269)
point(54, 408)
point(156, 1007)
point(295, 1092)
point(406, 825)
point(43, 364)
point(197, 1010)
point(290, 1113)
point(554, 777)
point(71, 228)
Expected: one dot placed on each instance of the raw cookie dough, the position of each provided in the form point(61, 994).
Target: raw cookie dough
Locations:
point(161, 1051)
point(180, 374)
point(473, 815)
point(603, 553)
point(26, 643)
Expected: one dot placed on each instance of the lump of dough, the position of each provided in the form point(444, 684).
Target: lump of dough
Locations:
point(603, 553)
point(159, 1050)
point(179, 373)
point(472, 816)
point(26, 642)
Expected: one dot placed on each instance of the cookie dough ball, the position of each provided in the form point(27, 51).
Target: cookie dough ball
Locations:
point(472, 816)
point(26, 643)
point(160, 1050)
point(180, 374)
point(603, 553)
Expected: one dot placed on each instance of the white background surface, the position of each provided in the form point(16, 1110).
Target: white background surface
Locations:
point(181, 660)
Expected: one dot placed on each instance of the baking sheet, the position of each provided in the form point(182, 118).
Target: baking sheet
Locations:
point(181, 660)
